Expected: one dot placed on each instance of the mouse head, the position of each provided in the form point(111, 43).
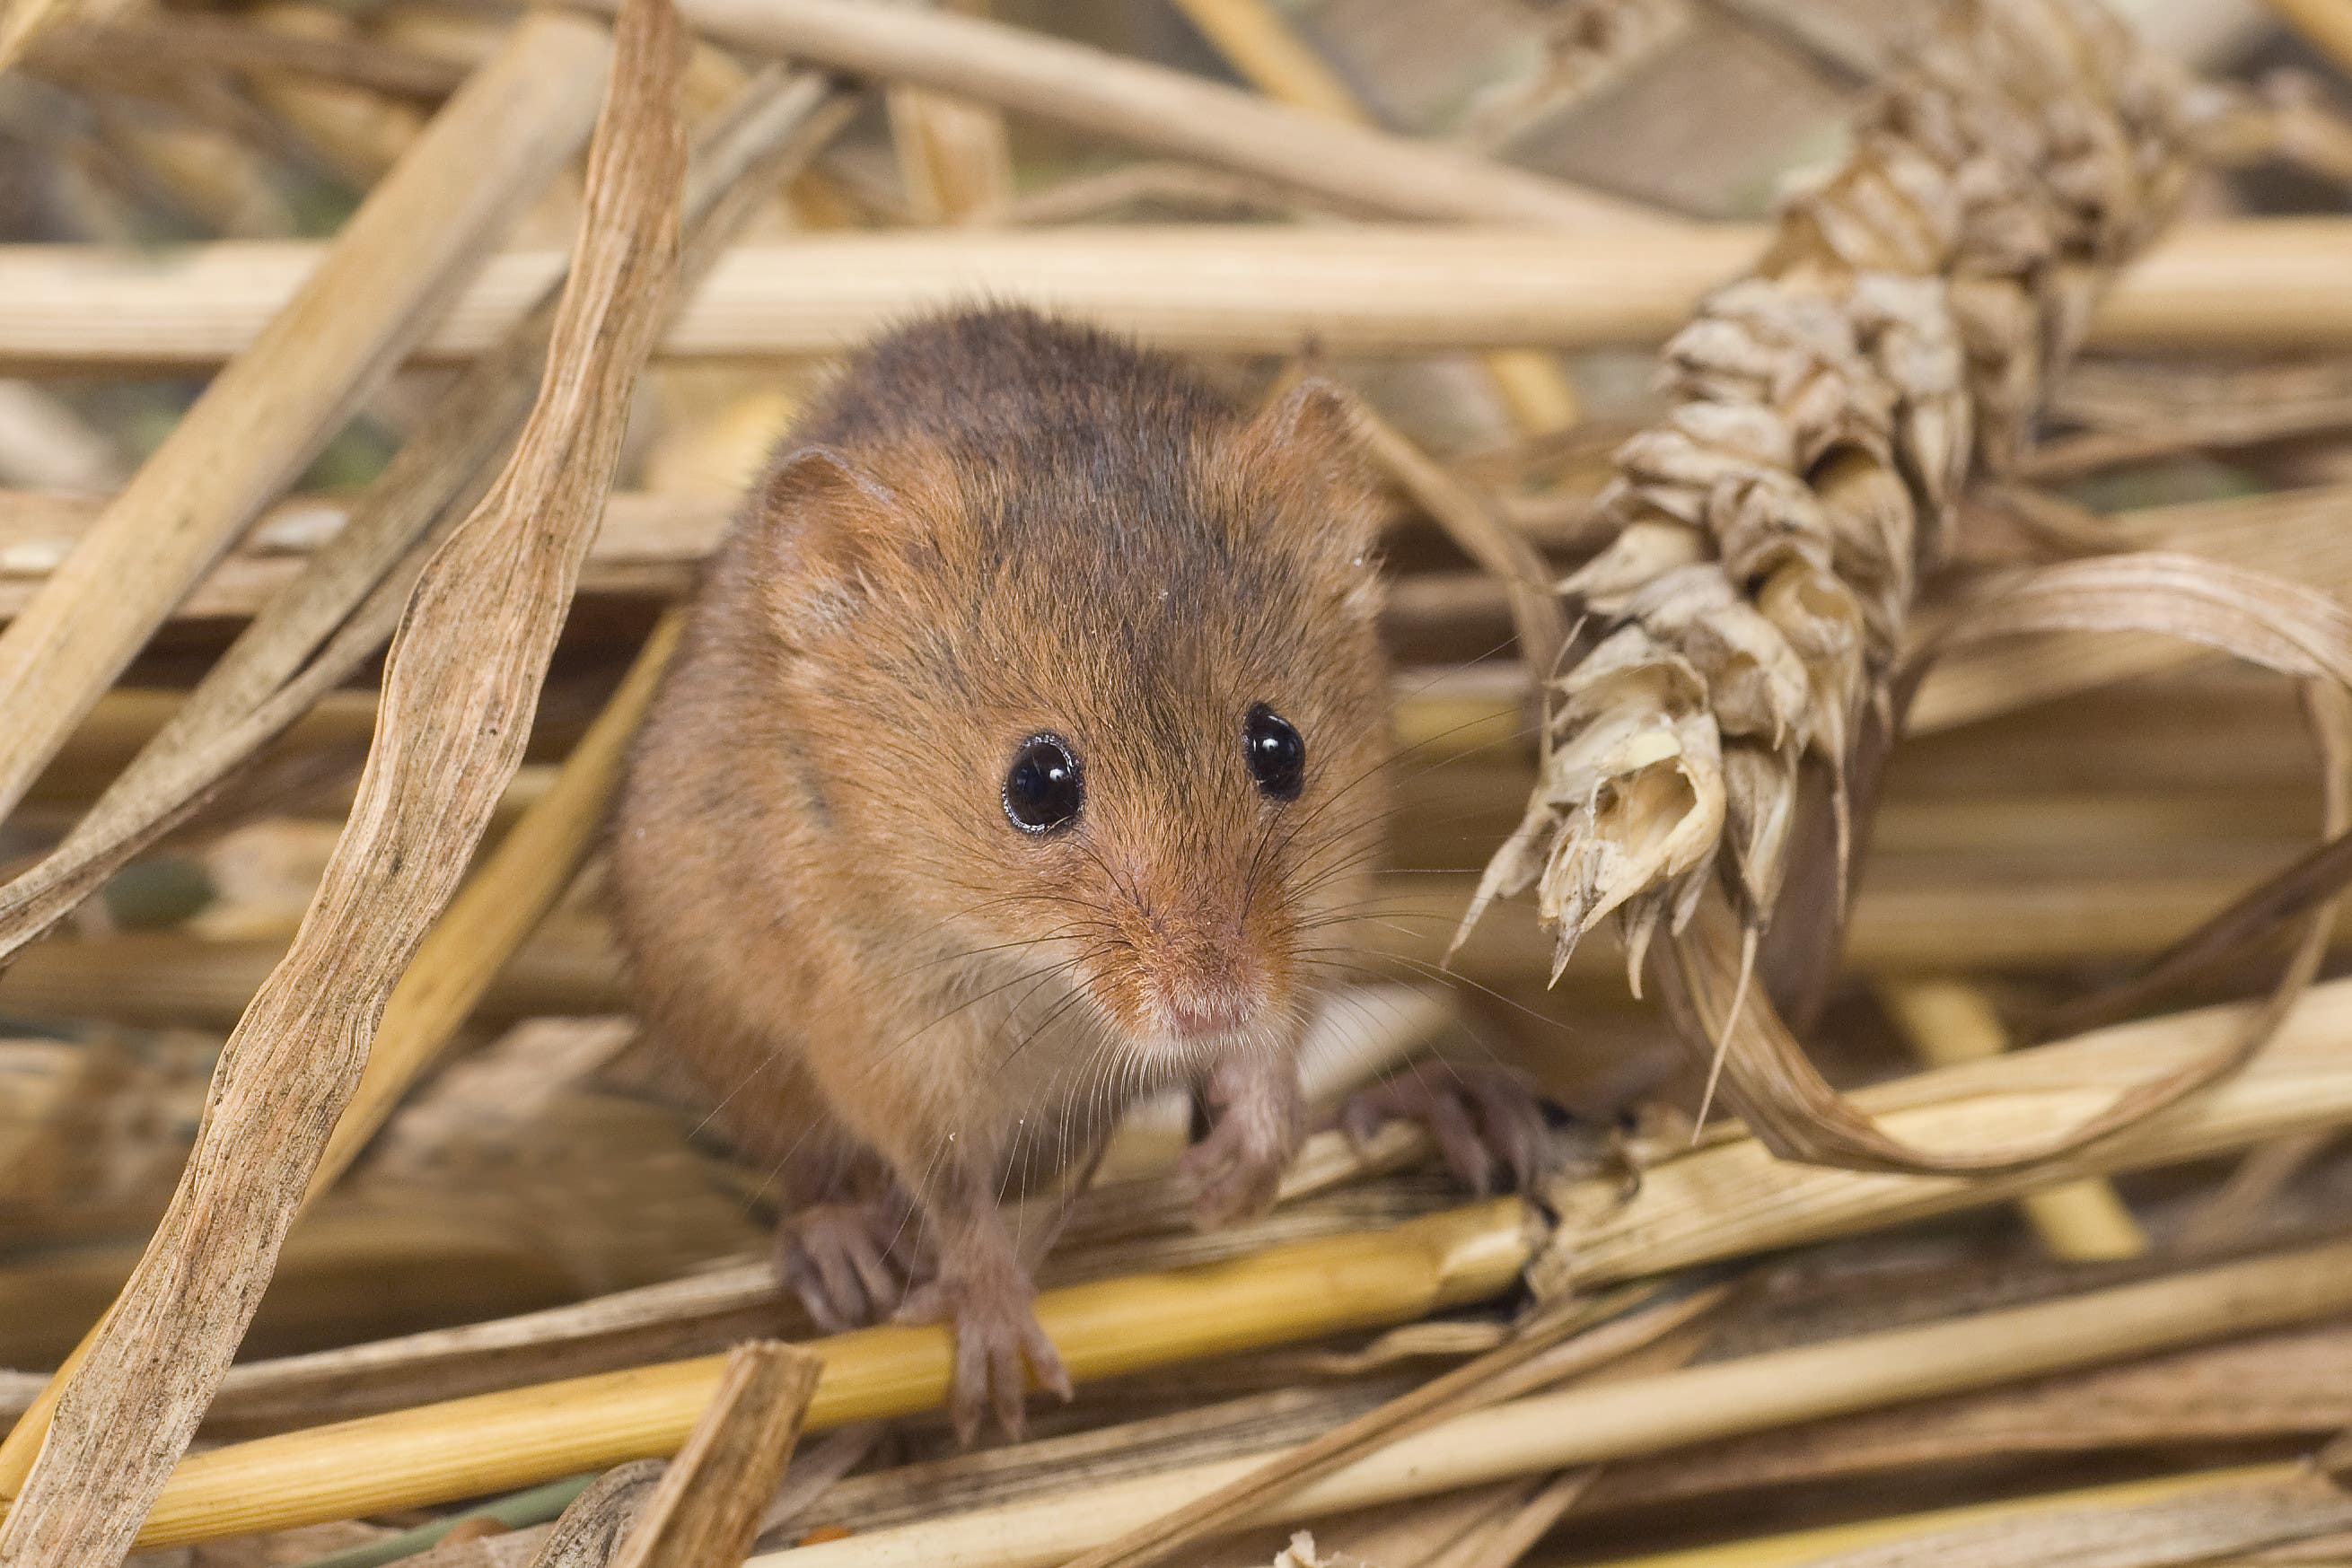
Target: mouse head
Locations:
point(1099, 706)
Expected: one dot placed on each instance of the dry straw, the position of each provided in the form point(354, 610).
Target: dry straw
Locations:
point(707, 1508)
point(2224, 1517)
point(1265, 52)
point(503, 137)
point(1732, 1195)
point(493, 1441)
point(1950, 1021)
point(2293, 1384)
point(1594, 1331)
point(322, 625)
point(1154, 107)
point(1752, 608)
point(2196, 1518)
point(458, 690)
point(1728, 1197)
point(1373, 289)
point(1611, 1421)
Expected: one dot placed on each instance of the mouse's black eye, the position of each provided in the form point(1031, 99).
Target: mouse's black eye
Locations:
point(1278, 756)
point(1043, 789)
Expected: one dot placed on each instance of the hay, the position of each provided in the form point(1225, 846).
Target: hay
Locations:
point(310, 1039)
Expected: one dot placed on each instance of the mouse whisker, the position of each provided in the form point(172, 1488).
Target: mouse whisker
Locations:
point(1349, 913)
point(1446, 977)
point(1021, 944)
point(1388, 764)
point(1038, 975)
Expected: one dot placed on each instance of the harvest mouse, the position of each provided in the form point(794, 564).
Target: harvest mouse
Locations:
point(1023, 756)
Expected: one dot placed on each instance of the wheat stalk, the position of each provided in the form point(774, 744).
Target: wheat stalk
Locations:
point(1363, 289)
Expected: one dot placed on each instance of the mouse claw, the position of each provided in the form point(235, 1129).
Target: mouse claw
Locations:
point(1489, 1122)
point(1000, 1349)
point(839, 1259)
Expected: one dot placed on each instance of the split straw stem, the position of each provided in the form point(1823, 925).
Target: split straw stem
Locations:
point(1597, 1422)
point(496, 1442)
point(1727, 1198)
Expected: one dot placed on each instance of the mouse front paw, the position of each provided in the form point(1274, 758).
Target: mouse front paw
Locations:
point(999, 1348)
point(846, 1261)
point(1257, 1123)
point(1235, 1170)
point(1489, 1122)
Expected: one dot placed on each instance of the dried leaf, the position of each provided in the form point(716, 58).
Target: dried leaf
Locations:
point(262, 418)
point(462, 677)
point(594, 1526)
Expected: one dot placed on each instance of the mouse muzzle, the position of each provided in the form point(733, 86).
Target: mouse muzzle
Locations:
point(1196, 977)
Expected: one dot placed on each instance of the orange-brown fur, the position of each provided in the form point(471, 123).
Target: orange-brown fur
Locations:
point(996, 526)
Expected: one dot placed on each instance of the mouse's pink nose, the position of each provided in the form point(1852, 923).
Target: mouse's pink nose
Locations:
point(1195, 1013)
point(1198, 975)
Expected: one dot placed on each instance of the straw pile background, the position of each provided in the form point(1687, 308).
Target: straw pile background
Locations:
point(1934, 679)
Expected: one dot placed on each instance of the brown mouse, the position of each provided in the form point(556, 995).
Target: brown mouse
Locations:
point(1023, 756)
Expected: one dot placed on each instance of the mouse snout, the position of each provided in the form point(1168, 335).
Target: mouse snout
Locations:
point(1199, 975)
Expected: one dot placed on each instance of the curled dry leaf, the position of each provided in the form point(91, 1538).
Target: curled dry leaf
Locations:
point(593, 1527)
point(2281, 626)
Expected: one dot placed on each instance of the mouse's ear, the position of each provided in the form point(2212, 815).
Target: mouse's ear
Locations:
point(828, 525)
point(1312, 441)
point(1314, 423)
